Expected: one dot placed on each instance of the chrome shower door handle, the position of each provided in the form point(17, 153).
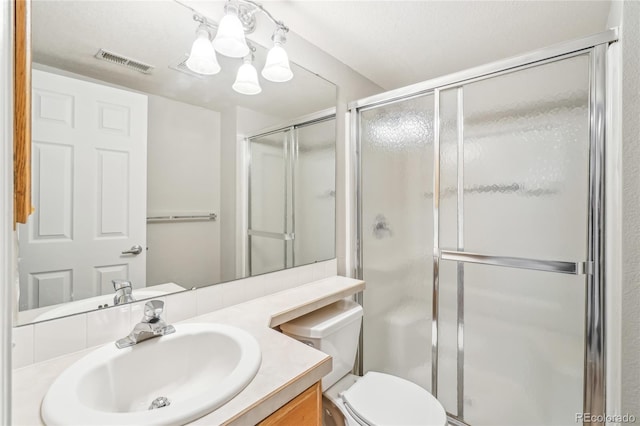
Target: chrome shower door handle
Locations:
point(135, 250)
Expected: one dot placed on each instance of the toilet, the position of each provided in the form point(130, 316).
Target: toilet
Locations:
point(375, 399)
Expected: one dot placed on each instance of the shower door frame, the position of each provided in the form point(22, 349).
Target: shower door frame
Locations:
point(594, 383)
point(290, 148)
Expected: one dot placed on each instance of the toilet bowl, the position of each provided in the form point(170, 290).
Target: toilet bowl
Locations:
point(375, 399)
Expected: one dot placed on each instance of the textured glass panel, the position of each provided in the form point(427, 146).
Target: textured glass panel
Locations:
point(397, 225)
point(267, 255)
point(267, 191)
point(314, 192)
point(526, 162)
point(449, 168)
point(447, 337)
point(524, 346)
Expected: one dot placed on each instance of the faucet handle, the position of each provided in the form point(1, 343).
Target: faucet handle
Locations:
point(120, 284)
point(152, 310)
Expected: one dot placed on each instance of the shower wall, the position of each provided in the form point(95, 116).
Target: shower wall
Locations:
point(513, 168)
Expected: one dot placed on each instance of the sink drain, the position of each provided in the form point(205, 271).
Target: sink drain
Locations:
point(159, 402)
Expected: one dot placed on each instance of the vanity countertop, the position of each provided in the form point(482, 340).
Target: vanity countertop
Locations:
point(288, 366)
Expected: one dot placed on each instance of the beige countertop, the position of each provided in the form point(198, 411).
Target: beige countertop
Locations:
point(288, 366)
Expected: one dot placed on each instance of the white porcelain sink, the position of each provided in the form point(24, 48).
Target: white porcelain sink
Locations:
point(198, 368)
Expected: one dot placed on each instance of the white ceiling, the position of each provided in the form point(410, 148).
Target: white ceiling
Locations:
point(391, 43)
point(396, 43)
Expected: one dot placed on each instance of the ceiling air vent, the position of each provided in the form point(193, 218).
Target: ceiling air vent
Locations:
point(114, 58)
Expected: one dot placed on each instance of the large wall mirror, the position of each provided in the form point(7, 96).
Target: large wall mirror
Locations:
point(146, 172)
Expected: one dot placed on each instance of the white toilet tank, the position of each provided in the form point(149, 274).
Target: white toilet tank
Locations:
point(333, 330)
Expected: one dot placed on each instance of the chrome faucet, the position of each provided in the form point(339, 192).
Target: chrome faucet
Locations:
point(123, 292)
point(149, 327)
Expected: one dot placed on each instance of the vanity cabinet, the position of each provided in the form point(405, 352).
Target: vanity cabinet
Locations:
point(303, 410)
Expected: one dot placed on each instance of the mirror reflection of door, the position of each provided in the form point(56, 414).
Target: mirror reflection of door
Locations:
point(89, 191)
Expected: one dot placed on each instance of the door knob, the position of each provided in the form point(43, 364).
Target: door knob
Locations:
point(137, 249)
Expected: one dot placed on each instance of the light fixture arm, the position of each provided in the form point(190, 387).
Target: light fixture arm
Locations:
point(252, 48)
point(261, 8)
point(207, 22)
point(199, 17)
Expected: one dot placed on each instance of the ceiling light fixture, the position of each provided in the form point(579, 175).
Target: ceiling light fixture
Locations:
point(202, 58)
point(239, 19)
point(230, 39)
point(277, 67)
point(247, 78)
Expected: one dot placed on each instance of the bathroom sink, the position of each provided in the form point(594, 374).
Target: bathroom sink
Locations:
point(198, 368)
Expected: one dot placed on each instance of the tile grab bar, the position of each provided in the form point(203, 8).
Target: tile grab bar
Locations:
point(574, 268)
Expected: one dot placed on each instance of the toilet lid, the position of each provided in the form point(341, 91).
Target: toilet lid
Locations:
point(384, 400)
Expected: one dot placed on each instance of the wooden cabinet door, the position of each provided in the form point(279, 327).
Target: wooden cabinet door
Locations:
point(304, 410)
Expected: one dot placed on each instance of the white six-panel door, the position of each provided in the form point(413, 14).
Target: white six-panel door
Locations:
point(89, 168)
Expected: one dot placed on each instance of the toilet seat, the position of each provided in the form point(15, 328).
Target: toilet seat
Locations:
point(384, 400)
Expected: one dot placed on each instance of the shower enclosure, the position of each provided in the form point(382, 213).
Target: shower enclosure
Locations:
point(479, 217)
point(291, 195)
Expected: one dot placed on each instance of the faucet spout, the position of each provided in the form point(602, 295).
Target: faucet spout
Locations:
point(149, 327)
point(123, 292)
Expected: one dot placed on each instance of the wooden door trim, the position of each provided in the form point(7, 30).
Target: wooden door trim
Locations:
point(22, 112)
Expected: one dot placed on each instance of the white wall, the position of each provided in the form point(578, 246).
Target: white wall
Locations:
point(228, 193)
point(183, 172)
point(250, 122)
point(6, 198)
point(630, 312)
point(613, 218)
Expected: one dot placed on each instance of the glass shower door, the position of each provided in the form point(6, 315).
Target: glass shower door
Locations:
point(292, 179)
point(480, 217)
point(396, 146)
point(514, 193)
point(269, 211)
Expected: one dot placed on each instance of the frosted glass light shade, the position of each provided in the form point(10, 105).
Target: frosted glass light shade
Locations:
point(277, 68)
point(247, 80)
point(229, 39)
point(202, 58)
